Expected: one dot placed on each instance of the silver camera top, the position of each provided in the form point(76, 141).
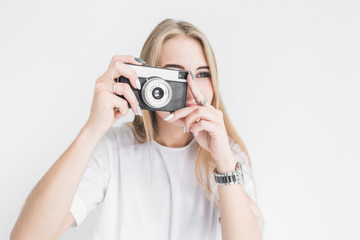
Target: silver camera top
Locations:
point(164, 73)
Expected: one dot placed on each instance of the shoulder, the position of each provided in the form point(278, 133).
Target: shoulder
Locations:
point(118, 136)
point(107, 150)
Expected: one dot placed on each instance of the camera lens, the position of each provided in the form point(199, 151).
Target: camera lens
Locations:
point(158, 93)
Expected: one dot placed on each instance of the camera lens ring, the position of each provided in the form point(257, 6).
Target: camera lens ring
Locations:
point(147, 92)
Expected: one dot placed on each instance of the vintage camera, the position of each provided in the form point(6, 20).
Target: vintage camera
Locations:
point(162, 89)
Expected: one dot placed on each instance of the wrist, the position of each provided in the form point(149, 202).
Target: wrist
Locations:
point(228, 176)
point(226, 164)
point(92, 133)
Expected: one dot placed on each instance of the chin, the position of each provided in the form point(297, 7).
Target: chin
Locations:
point(162, 114)
point(179, 122)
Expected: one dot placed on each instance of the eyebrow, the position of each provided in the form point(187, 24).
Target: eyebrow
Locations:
point(181, 67)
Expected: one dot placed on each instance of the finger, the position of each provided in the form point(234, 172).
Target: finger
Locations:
point(198, 96)
point(125, 90)
point(118, 68)
point(121, 69)
point(119, 105)
point(199, 114)
point(203, 125)
point(183, 112)
point(127, 59)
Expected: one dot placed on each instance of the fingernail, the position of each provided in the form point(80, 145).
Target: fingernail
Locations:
point(192, 75)
point(168, 117)
point(139, 110)
point(184, 129)
point(138, 84)
point(140, 60)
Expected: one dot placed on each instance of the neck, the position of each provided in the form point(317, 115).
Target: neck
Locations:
point(171, 135)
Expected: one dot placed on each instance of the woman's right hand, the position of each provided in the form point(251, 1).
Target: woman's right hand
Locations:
point(106, 107)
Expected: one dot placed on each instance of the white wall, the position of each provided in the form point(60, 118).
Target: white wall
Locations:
point(289, 78)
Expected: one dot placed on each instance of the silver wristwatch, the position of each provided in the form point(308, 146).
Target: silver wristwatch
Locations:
point(235, 177)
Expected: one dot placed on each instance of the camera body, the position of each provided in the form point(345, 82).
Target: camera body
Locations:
point(162, 89)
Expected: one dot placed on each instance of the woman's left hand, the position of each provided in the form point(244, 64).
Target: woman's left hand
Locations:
point(206, 123)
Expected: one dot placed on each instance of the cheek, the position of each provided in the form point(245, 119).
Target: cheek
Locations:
point(206, 89)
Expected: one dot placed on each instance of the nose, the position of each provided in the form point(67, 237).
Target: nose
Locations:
point(189, 94)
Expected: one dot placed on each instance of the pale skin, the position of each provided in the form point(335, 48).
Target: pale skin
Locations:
point(43, 206)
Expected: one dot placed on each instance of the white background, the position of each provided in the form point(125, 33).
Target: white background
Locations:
point(289, 77)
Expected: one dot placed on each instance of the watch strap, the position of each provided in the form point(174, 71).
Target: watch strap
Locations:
point(234, 177)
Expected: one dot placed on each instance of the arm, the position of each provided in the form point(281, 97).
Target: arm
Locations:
point(208, 127)
point(237, 218)
point(45, 214)
point(44, 211)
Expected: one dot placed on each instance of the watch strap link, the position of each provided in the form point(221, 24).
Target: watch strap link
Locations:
point(234, 177)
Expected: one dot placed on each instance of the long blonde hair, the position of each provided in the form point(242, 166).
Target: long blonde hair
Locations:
point(144, 127)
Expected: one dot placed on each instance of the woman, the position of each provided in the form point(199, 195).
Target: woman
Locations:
point(155, 175)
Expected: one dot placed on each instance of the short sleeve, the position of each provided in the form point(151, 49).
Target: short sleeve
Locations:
point(93, 185)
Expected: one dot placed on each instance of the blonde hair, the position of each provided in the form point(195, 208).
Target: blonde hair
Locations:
point(145, 129)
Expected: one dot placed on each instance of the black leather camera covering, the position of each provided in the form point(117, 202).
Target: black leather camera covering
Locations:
point(178, 100)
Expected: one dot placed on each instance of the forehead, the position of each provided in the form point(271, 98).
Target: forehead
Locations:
point(184, 51)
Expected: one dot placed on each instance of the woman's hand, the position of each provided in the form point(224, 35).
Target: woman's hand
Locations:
point(106, 107)
point(206, 123)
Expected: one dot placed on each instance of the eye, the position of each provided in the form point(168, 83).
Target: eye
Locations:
point(203, 75)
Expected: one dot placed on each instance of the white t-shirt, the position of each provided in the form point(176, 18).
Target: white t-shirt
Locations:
point(147, 192)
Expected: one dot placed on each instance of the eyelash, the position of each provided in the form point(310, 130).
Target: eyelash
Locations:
point(203, 75)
